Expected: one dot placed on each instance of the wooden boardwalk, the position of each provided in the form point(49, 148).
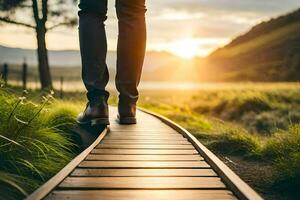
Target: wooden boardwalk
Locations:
point(155, 159)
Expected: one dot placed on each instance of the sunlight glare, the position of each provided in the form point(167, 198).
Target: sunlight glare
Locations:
point(185, 48)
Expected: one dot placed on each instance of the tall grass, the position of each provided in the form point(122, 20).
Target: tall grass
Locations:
point(284, 150)
point(36, 141)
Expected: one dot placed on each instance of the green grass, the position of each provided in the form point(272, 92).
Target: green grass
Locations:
point(36, 141)
point(284, 150)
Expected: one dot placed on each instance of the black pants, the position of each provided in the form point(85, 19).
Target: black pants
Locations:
point(130, 49)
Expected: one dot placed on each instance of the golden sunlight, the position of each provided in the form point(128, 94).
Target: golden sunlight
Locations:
point(188, 48)
point(185, 48)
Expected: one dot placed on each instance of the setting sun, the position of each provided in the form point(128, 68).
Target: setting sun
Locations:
point(189, 48)
point(185, 48)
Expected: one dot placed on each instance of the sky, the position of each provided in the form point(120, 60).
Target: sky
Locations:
point(184, 27)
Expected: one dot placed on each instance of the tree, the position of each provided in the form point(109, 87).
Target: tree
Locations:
point(46, 15)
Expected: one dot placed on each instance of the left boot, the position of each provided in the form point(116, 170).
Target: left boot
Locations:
point(95, 113)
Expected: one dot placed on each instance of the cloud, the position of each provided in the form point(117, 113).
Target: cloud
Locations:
point(210, 18)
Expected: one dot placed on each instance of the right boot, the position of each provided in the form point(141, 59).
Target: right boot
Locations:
point(127, 113)
point(95, 113)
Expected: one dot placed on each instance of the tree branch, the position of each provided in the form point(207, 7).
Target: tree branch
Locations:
point(58, 25)
point(7, 20)
point(67, 22)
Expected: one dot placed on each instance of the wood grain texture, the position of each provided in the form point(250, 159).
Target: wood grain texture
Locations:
point(145, 142)
point(145, 137)
point(144, 164)
point(136, 146)
point(142, 195)
point(113, 132)
point(143, 172)
point(142, 129)
point(144, 157)
point(146, 125)
point(144, 151)
point(143, 183)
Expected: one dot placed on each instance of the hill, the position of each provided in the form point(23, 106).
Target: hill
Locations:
point(270, 51)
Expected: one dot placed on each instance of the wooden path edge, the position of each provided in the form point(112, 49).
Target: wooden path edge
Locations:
point(47, 187)
point(240, 188)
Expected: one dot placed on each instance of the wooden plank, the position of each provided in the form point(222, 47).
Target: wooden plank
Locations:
point(149, 120)
point(149, 128)
point(143, 134)
point(140, 138)
point(143, 183)
point(144, 151)
point(151, 138)
point(145, 142)
point(143, 172)
point(141, 195)
point(145, 124)
point(152, 124)
point(143, 130)
point(125, 128)
point(145, 146)
point(147, 133)
point(144, 157)
point(144, 164)
point(143, 137)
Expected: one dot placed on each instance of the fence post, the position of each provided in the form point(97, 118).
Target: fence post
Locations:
point(24, 75)
point(5, 73)
point(61, 87)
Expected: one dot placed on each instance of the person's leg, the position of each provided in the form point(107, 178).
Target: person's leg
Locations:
point(130, 54)
point(93, 48)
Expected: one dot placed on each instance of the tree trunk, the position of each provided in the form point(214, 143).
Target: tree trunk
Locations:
point(44, 71)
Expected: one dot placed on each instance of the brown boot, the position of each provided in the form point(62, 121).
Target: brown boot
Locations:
point(127, 113)
point(95, 113)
